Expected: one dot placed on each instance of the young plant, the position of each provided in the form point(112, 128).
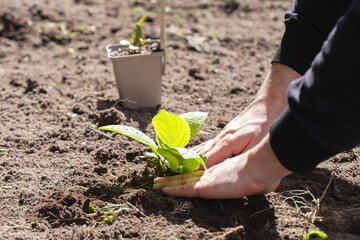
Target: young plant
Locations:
point(316, 236)
point(137, 33)
point(173, 133)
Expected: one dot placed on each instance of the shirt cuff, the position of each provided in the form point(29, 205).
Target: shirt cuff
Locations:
point(293, 147)
point(298, 47)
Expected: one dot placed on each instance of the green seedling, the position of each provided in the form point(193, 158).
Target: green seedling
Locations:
point(313, 235)
point(71, 163)
point(91, 28)
point(88, 207)
point(137, 33)
point(111, 207)
point(173, 133)
point(30, 23)
point(109, 219)
point(40, 110)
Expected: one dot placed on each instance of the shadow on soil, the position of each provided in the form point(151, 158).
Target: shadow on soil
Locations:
point(231, 218)
point(111, 112)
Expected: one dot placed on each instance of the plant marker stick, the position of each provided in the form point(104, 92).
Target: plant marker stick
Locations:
point(163, 34)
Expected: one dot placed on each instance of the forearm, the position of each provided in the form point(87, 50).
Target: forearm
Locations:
point(323, 118)
point(273, 92)
point(264, 166)
point(307, 26)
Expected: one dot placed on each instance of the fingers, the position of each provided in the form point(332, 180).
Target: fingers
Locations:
point(182, 182)
point(225, 180)
point(179, 185)
point(217, 155)
point(186, 190)
point(203, 148)
point(222, 147)
point(214, 150)
point(178, 177)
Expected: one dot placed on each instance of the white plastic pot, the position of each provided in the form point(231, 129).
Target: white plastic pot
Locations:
point(138, 78)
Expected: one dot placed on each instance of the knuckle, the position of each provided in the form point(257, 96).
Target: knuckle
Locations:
point(226, 141)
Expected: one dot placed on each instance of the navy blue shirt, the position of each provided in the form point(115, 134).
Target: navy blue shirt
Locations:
point(322, 43)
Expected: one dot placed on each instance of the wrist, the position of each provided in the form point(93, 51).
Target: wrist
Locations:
point(274, 88)
point(264, 166)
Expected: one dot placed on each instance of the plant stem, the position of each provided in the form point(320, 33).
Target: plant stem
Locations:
point(163, 34)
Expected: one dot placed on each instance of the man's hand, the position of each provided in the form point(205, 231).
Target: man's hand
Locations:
point(241, 134)
point(251, 126)
point(256, 171)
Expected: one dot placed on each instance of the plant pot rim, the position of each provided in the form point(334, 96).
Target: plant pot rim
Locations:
point(111, 47)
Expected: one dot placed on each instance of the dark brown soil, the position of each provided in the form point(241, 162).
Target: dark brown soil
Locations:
point(57, 87)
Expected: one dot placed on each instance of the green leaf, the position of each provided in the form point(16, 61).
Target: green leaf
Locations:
point(190, 155)
point(171, 160)
point(88, 207)
point(173, 130)
point(142, 19)
point(182, 160)
point(313, 235)
point(195, 121)
point(133, 133)
point(109, 219)
point(110, 207)
point(204, 157)
point(136, 35)
point(161, 143)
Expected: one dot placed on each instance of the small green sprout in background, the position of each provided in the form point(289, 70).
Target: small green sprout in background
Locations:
point(137, 33)
point(26, 58)
point(173, 133)
point(111, 207)
point(122, 185)
point(30, 23)
point(313, 235)
point(109, 219)
point(40, 110)
point(91, 28)
point(70, 162)
point(88, 208)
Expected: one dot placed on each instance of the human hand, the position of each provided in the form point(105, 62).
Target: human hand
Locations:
point(243, 133)
point(256, 171)
point(251, 126)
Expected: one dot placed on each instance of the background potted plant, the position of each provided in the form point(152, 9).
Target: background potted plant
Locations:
point(138, 67)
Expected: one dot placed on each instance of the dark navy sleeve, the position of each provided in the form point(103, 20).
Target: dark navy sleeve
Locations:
point(308, 25)
point(323, 117)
